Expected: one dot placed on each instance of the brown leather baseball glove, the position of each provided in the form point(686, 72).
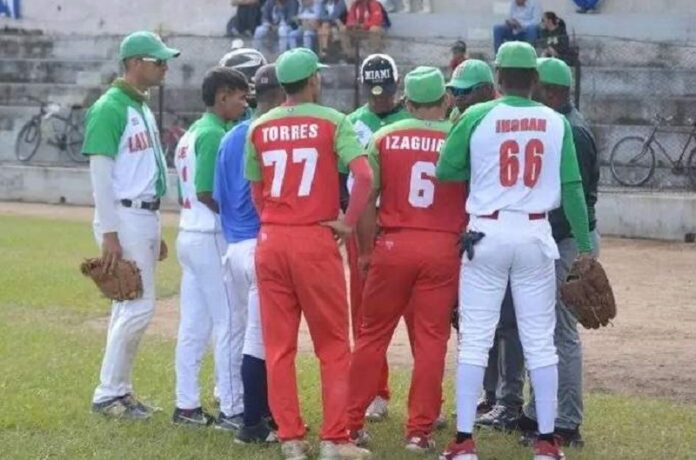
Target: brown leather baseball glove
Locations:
point(123, 283)
point(588, 295)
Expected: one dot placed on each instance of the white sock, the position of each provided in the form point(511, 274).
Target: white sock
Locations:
point(545, 384)
point(469, 385)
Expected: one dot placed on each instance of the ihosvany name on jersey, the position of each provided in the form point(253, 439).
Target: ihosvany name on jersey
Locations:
point(423, 143)
point(290, 133)
point(520, 124)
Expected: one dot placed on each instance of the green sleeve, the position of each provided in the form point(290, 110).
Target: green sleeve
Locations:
point(346, 144)
point(454, 164)
point(252, 171)
point(373, 158)
point(206, 145)
point(570, 171)
point(104, 128)
point(575, 209)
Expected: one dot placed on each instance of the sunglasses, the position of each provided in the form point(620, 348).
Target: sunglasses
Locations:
point(459, 92)
point(157, 62)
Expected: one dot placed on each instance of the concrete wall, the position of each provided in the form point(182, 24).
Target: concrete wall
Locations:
point(635, 214)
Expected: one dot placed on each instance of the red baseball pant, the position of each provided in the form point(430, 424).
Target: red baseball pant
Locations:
point(300, 271)
point(357, 285)
point(413, 274)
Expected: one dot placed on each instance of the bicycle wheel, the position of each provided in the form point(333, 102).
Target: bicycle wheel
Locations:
point(28, 140)
point(691, 168)
point(74, 137)
point(632, 161)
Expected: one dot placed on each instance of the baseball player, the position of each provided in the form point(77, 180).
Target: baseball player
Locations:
point(519, 159)
point(206, 305)
point(471, 83)
point(555, 81)
point(501, 404)
point(128, 173)
point(292, 157)
point(413, 271)
point(240, 224)
point(380, 77)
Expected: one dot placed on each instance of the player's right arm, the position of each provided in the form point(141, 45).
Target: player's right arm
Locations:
point(367, 223)
point(252, 171)
point(572, 193)
point(103, 130)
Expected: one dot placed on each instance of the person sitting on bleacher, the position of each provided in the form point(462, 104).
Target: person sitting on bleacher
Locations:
point(365, 16)
point(521, 25)
point(553, 38)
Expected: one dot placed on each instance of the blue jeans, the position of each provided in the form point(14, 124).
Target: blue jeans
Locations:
point(288, 37)
point(502, 33)
point(586, 4)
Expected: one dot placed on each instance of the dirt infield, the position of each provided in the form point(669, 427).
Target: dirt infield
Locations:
point(651, 350)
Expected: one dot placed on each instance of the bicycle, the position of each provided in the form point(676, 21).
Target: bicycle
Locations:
point(68, 140)
point(171, 135)
point(632, 160)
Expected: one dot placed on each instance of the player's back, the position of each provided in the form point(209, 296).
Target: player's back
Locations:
point(404, 155)
point(515, 156)
point(297, 152)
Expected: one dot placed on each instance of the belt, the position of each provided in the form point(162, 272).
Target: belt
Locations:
point(137, 204)
point(532, 216)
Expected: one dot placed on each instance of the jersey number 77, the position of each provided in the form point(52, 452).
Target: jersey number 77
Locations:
point(278, 159)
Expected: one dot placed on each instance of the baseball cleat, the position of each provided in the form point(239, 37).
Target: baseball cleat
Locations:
point(329, 450)
point(500, 417)
point(465, 450)
point(360, 438)
point(261, 433)
point(232, 423)
point(377, 410)
point(192, 417)
point(548, 450)
point(419, 444)
point(440, 422)
point(295, 450)
point(569, 438)
point(120, 408)
point(131, 401)
point(484, 405)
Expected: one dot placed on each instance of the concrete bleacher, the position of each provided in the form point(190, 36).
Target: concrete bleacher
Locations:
point(635, 62)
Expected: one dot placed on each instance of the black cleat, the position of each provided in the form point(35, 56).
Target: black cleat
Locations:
point(261, 433)
point(570, 438)
point(192, 417)
point(500, 417)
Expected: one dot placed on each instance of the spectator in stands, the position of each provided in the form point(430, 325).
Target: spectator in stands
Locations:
point(458, 54)
point(247, 18)
point(426, 4)
point(365, 17)
point(553, 37)
point(522, 24)
point(308, 19)
point(587, 6)
point(279, 17)
point(332, 16)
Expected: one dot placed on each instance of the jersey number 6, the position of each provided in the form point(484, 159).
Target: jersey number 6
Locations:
point(422, 191)
point(510, 163)
point(279, 160)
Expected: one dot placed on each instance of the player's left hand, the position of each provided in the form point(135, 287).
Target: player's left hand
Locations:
point(164, 251)
point(340, 229)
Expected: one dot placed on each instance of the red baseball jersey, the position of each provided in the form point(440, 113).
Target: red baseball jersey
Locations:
point(403, 156)
point(296, 152)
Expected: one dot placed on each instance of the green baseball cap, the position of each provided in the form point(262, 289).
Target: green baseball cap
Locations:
point(554, 72)
point(297, 64)
point(517, 55)
point(425, 84)
point(470, 73)
point(146, 44)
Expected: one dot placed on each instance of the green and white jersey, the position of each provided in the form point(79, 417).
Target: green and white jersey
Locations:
point(515, 153)
point(366, 122)
point(195, 159)
point(122, 127)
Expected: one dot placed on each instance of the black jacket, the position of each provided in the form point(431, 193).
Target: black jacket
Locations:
point(588, 160)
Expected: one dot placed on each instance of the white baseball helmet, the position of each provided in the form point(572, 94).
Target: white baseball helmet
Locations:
point(246, 60)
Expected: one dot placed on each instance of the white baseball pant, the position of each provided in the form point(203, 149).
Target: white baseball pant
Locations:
point(206, 308)
point(139, 235)
point(242, 277)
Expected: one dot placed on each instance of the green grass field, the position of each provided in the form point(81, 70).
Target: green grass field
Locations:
point(50, 356)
